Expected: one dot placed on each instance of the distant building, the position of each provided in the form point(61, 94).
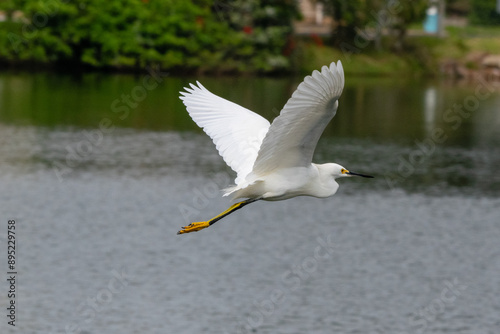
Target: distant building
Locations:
point(314, 20)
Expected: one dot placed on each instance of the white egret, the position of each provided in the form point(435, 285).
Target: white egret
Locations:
point(272, 161)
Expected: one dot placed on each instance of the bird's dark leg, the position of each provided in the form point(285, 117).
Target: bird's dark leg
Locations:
point(194, 227)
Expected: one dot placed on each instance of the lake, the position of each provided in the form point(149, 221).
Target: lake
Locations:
point(99, 172)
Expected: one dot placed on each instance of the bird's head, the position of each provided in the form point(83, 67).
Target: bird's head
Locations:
point(338, 171)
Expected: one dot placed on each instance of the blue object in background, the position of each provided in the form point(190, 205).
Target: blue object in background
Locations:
point(431, 23)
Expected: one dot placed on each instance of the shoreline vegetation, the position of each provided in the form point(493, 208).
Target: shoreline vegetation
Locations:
point(434, 57)
point(253, 39)
point(465, 52)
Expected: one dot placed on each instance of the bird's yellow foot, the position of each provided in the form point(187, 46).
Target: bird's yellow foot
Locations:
point(194, 227)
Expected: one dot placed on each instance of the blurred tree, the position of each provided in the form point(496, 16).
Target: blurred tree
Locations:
point(187, 35)
point(350, 16)
point(8, 6)
point(267, 25)
point(354, 18)
point(406, 13)
point(458, 7)
point(484, 12)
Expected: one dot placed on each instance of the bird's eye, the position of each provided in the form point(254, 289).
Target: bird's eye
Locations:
point(343, 170)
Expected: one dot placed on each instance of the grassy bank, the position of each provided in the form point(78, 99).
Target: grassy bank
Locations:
point(370, 63)
point(423, 56)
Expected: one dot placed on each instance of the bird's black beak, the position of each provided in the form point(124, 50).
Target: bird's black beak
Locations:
point(357, 174)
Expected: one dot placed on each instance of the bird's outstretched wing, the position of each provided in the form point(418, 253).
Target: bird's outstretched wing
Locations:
point(236, 131)
point(293, 135)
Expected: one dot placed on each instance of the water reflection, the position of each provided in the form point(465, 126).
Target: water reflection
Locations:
point(430, 102)
point(92, 198)
point(417, 135)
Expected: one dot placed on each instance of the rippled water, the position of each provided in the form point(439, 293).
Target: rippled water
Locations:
point(414, 250)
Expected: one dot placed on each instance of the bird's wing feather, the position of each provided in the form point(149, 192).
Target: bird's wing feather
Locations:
point(236, 131)
point(293, 135)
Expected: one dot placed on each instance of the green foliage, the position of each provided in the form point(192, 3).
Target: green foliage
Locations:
point(355, 16)
point(361, 64)
point(483, 12)
point(408, 12)
point(267, 27)
point(179, 35)
point(350, 16)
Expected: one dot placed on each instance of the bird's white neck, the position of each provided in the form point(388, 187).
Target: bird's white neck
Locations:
point(325, 186)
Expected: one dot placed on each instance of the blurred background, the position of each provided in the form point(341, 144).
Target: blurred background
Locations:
point(100, 165)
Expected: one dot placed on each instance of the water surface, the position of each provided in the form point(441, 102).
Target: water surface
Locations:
point(99, 188)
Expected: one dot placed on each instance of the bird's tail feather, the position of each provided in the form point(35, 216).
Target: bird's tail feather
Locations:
point(246, 190)
point(229, 190)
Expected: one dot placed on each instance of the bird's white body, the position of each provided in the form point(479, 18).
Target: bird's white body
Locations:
point(273, 161)
point(314, 180)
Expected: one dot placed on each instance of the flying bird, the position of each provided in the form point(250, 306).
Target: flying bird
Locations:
point(273, 161)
